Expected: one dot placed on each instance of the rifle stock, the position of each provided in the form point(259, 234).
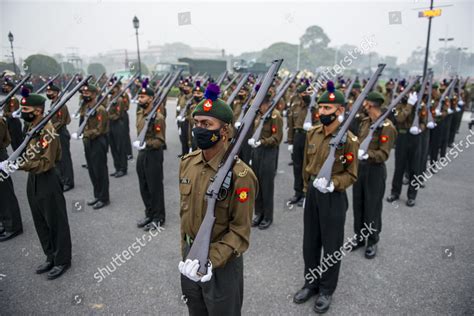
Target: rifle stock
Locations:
point(40, 90)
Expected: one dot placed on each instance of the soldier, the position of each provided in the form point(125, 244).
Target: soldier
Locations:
point(126, 120)
point(150, 162)
point(10, 216)
point(183, 127)
point(60, 122)
point(118, 132)
point(264, 160)
point(44, 190)
point(296, 139)
point(407, 150)
point(326, 200)
point(220, 291)
point(14, 124)
point(95, 147)
point(369, 189)
point(239, 102)
point(436, 132)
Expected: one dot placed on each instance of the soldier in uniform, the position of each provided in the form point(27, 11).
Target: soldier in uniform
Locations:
point(264, 160)
point(150, 162)
point(44, 189)
point(368, 191)
point(60, 122)
point(95, 147)
point(326, 200)
point(220, 291)
point(296, 140)
point(407, 150)
point(10, 216)
point(126, 120)
point(14, 124)
point(118, 132)
point(238, 103)
point(183, 127)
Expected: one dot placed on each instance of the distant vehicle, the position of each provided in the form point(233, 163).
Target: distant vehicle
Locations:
point(213, 67)
point(126, 74)
point(163, 68)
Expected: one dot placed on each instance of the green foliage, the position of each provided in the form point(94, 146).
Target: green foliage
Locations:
point(43, 65)
point(96, 69)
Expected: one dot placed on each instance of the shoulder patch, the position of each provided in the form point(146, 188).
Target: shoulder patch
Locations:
point(243, 173)
point(386, 123)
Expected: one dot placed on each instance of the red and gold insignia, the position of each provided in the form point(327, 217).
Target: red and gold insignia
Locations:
point(242, 194)
point(99, 117)
point(332, 96)
point(117, 108)
point(143, 90)
point(60, 113)
point(157, 128)
point(423, 113)
point(274, 129)
point(43, 143)
point(207, 106)
point(316, 115)
point(214, 138)
point(23, 101)
point(349, 157)
point(383, 138)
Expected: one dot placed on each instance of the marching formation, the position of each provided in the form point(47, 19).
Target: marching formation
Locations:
point(339, 133)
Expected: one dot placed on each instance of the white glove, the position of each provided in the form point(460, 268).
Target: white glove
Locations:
point(76, 116)
point(412, 98)
point(460, 103)
point(189, 269)
point(362, 155)
point(180, 118)
point(136, 144)
point(75, 136)
point(437, 112)
point(323, 186)
point(8, 167)
point(237, 124)
point(178, 108)
point(458, 109)
point(284, 113)
point(307, 126)
point(290, 148)
point(450, 111)
point(414, 130)
point(16, 114)
point(431, 125)
point(253, 143)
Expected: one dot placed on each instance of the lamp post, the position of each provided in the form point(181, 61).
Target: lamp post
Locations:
point(136, 25)
point(10, 38)
point(460, 49)
point(445, 40)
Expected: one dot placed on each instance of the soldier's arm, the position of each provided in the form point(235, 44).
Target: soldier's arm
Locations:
point(290, 126)
point(98, 124)
point(236, 240)
point(383, 152)
point(403, 112)
point(346, 178)
point(277, 133)
point(41, 163)
point(4, 134)
point(306, 175)
point(159, 132)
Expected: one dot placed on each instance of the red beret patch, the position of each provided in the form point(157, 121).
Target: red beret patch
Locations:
point(207, 106)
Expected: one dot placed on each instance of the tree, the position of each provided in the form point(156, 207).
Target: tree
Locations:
point(281, 50)
point(314, 38)
point(68, 68)
point(43, 65)
point(96, 69)
point(6, 66)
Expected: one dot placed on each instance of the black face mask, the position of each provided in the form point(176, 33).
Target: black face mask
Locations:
point(206, 138)
point(28, 116)
point(327, 119)
point(241, 96)
point(197, 99)
point(142, 105)
point(306, 99)
point(4, 90)
point(50, 96)
point(87, 99)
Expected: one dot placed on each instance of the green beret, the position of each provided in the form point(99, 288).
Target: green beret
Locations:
point(53, 87)
point(28, 86)
point(90, 87)
point(331, 95)
point(33, 100)
point(301, 88)
point(9, 83)
point(217, 108)
point(435, 85)
point(375, 96)
point(148, 91)
point(356, 85)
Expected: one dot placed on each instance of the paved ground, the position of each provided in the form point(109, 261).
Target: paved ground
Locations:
point(425, 263)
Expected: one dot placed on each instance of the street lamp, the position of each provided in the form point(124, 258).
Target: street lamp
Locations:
point(460, 49)
point(445, 40)
point(136, 25)
point(10, 38)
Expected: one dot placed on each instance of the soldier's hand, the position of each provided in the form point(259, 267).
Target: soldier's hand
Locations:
point(8, 166)
point(450, 111)
point(412, 98)
point(16, 114)
point(237, 125)
point(208, 276)
point(75, 136)
point(189, 269)
point(362, 155)
point(290, 148)
point(415, 130)
point(461, 103)
point(307, 126)
point(431, 125)
point(136, 144)
point(437, 112)
point(322, 185)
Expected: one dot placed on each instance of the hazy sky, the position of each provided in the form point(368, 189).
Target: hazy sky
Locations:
point(101, 25)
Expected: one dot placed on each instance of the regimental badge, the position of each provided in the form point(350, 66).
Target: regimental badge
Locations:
point(316, 115)
point(242, 194)
point(99, 117)
point(157, 128)
point(214, 138)
point(117, 108)
point(332, 97)
point(43, 142)
point(383, 138)
point(349, 157)
point(274, 129)
point(23, 101)
point(207, 106)
point(143, 90)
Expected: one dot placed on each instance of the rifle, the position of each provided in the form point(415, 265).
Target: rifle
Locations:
point(104, 86)
point(40, 90)
point(247, 103)
point(36, 129)
point(230, 83)
point(221, 181)
point(241, 83)
point(157, 101)
point(182, 113)
point(221, 78)
point(308, 120)
point(91, 111)
point(451, 95)
point(14, 90)
point(415, 125)
point(258, 131)
point(100, 78)
point(326, 170)
point(62, 92)
point(443, 97)
point(348, 91)
point(431, 123)
point(114, 99)
point(364, 146)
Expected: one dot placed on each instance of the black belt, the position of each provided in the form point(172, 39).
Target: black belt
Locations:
point(301, 130)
